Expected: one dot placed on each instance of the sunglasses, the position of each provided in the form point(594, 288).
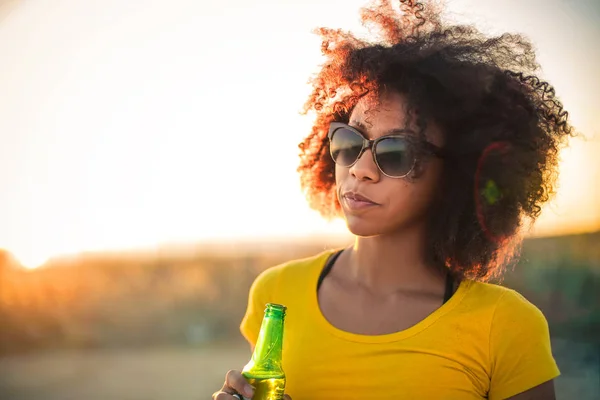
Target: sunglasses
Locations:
point(395, 155)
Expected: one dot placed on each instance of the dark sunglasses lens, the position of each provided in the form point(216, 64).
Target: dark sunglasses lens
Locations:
point(345, 146)
point(394, 156)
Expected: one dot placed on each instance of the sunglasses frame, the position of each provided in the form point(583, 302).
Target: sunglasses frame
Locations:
point(420, 147)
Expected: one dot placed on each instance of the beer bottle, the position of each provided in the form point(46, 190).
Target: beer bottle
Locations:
point(264, 370)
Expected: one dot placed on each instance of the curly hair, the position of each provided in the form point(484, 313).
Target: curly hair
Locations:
point(503, 126)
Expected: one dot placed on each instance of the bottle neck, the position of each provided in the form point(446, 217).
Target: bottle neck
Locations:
point(267, 357)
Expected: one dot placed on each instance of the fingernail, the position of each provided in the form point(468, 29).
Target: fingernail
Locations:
point(248, 390)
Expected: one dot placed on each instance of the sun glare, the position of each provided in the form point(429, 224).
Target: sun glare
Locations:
point(131, 132)
point(32, 261)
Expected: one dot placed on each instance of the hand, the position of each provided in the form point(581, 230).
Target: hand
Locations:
point(236, 383)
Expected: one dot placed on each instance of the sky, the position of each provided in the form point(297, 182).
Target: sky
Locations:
point(134, 123)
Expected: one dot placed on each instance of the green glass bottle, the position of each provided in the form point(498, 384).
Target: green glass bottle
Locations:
point(264, 370)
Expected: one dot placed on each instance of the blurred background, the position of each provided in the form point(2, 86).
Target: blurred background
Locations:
point(139, 145)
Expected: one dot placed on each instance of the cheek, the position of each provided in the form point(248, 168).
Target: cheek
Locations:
point(341, 174)
point(402, 196)
point(413, 197)
point(431, 178)
point(339, 180)
point(338, 174)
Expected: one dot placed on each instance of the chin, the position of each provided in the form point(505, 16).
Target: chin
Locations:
point(370, 227)
point(363, 228)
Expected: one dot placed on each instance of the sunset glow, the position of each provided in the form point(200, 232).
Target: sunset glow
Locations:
point(128, 124)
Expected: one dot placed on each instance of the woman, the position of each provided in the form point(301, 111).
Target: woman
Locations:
point(436, 145)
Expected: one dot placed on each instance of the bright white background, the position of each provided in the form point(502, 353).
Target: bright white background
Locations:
point(130, 123)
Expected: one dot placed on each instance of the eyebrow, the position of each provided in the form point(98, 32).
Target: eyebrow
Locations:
point(362, 127)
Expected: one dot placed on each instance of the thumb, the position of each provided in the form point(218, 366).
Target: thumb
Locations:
point(286, 397)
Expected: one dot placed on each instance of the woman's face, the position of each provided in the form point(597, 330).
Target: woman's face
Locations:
point(399, 202)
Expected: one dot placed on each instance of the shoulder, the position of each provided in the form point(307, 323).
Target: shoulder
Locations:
point(507, 306)
point(503, 315)
point(516, 321)
point(286, 283)
point(502, 302)
point(293, 272)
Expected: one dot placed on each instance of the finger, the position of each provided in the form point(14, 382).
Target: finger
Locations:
point(223, 396)
point(287, 397)
point(236, 381)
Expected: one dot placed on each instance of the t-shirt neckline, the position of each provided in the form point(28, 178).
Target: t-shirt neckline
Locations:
point(429, 320)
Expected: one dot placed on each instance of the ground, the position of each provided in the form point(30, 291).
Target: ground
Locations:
point(132, 374)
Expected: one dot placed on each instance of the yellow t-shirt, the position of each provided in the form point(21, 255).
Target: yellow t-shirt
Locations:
point(487, 341)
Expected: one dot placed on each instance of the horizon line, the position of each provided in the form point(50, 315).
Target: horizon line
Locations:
point(218, 245)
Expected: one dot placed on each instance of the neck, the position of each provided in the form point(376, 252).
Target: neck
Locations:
point(390, 262)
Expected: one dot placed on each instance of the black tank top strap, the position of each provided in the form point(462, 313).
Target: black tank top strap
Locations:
point(449, 287)
point(328, 266)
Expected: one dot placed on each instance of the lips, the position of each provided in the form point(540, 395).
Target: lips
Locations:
point(357, 201)
point(358, 197)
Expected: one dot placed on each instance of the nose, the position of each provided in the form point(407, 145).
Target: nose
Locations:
point(365, 169)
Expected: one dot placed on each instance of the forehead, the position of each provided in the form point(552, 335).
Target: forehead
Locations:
point(381, 115)
point(378, 117)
